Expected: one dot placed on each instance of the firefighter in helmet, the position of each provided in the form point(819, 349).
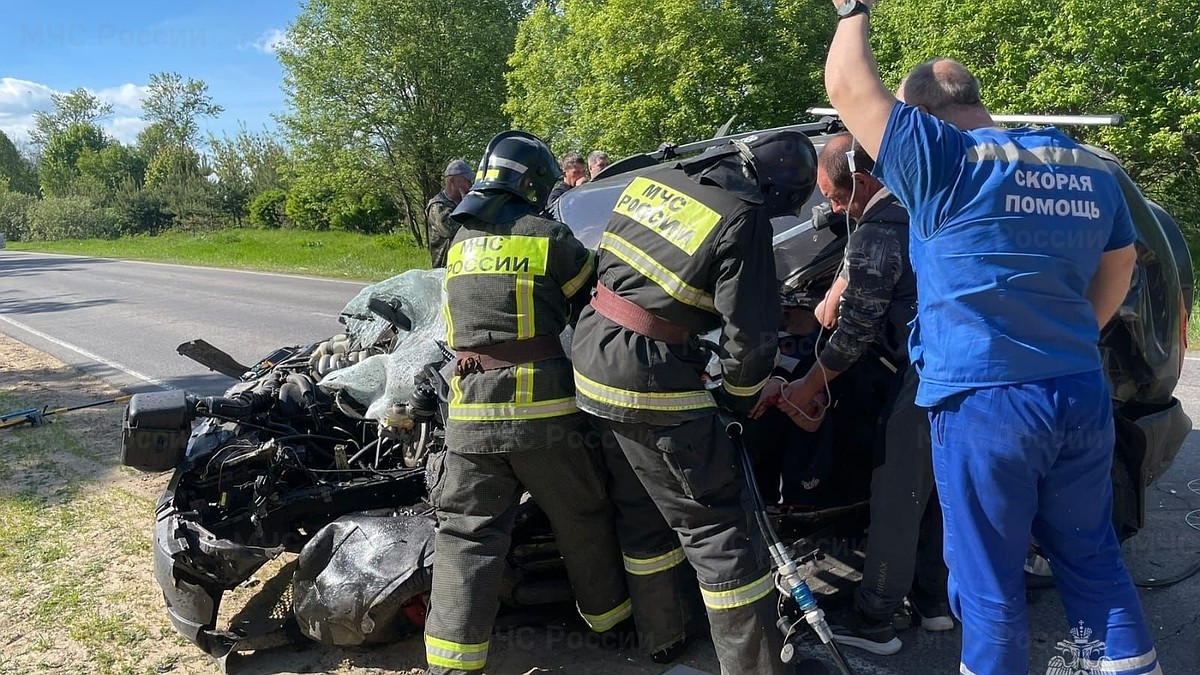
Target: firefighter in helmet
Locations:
point(514, 281)
point(687, 250)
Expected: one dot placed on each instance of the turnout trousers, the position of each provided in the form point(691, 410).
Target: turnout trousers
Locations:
point(661, 585)
point(476, 498)
point(692, 474)
point(904, 540)
point(1035, 458)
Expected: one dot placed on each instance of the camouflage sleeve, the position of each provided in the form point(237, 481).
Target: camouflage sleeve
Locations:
point(874, 259)
point(441, 227)
point(746, 295)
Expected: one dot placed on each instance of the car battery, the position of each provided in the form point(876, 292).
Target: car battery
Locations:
point(155, 433)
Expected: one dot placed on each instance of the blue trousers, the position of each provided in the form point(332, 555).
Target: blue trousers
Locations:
point(1035, 459)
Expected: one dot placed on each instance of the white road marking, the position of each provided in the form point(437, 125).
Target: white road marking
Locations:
point(86, 354)
point(1191, 358)
point(360, 284)
point(324, 316)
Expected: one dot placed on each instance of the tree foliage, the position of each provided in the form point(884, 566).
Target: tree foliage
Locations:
point(245, 165)
point(626, 75)
point(102, 173)
point(176, 107)
point(59, 171)
point(1141, 60)
point(75, 107)
point(392, 89)
point(19, 172)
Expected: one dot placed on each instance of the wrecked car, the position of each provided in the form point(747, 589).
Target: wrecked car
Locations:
point(318, 450)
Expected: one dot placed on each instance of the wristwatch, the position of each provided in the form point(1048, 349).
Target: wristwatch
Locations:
point(852, 8)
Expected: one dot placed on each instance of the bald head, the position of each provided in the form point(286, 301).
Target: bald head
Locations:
point(946, 89)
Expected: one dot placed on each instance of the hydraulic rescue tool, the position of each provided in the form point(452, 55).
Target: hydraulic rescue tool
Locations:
point(788, 579)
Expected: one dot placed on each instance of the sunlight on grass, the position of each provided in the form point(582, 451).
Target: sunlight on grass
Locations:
point(326, 254)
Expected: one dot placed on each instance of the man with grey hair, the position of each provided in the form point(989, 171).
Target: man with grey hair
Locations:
point(597, 162)
point(1006, 344)
point(574, 174)
point(457, 180)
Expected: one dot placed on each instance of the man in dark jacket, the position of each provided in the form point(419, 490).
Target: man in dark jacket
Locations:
point(687, 250)
point(574, 173)
point(458, 178)
point(511, 280)
point(877, 304)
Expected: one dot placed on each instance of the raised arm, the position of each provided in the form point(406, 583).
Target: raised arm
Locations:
point(853, 84)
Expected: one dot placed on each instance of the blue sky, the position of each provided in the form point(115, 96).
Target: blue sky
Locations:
point(113, 48)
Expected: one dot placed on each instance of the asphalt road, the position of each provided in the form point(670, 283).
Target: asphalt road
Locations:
point(122, 320)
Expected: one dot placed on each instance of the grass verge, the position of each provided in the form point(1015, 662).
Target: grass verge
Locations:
point(325, 254)
point(74, 559)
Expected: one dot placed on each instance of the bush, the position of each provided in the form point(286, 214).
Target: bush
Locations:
point(14, 214)
point(269, 210)
point(307, 205)
point(371, 214)
point(140, 211)
point(70, 218)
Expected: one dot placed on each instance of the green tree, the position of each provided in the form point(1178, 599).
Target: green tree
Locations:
point(394, 88)
point(1075, 56)
point(75, 107)
point(626, 75)
point(16, 169)
point(150, 140)
point(246, 165)
point(102, 173)
point(176, 107)
point(59, 170)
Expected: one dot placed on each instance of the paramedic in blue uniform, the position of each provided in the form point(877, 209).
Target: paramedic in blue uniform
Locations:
point(1023, 249)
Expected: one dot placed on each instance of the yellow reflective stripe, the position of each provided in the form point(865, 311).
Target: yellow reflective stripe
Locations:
point(744, 391)
point(447, 654)
point(740, 596)
point(524, 374)
point(652, 270)
point(572, 287)
point(446, 314)
point(602, 622)
point(672, 400)
point(456, 395)
point(525, 328)
point(643, 567)
point(506, 254)
point(488, 412)
point(524, 291)
point(680, 219)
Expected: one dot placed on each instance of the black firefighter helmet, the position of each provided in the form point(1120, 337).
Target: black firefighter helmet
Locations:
point(515, 177)
point(777, 169)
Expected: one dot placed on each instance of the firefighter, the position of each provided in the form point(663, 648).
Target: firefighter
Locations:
point(511, 279)
point(687, 250)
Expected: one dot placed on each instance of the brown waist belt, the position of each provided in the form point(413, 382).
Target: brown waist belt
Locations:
point(631, 316)
point(508, 354)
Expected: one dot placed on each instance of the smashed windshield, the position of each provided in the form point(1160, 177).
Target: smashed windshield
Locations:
point(384, 380)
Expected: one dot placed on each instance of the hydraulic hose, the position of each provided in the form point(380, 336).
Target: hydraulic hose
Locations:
point(789, 573)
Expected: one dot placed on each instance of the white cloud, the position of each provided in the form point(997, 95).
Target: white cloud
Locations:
point(124, 129)
point(20, 99)
point(125, 98)
point(271, 41)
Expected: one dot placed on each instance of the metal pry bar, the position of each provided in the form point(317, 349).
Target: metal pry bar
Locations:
point(1056, 120)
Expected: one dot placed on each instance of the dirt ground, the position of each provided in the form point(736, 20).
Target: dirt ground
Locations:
point(77, 592)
